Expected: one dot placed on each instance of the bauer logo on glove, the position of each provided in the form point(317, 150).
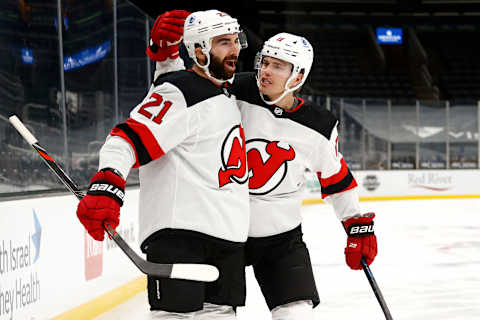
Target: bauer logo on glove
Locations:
point(360, 230)
point(108, 188)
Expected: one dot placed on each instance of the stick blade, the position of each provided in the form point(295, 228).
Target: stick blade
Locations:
point(194, 271)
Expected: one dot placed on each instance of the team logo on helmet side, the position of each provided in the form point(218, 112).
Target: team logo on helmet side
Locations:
point(267, 164)
point(234, 158)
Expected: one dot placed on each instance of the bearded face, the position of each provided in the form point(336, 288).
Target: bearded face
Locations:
point(223, 69)
point(223, 56)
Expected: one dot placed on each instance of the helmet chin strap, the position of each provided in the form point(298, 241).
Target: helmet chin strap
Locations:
point(284, 93)
point(206, 70)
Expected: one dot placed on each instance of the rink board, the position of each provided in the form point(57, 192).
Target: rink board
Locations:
point(49, 265)
point(409, 184)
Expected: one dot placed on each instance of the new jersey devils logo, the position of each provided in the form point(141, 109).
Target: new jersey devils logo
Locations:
point(234, 169)
point(267, 163)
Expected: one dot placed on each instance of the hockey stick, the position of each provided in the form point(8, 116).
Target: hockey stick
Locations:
point(375, 287)
point(186, 271)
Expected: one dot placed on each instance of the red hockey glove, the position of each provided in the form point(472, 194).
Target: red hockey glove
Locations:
point(102, 203)
point(361, 241)
point(166, 34)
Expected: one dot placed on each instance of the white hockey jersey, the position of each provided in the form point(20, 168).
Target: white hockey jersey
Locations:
point(281, 146)
point(188, 142)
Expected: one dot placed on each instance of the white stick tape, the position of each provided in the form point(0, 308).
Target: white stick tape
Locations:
point(26, 134)
point(199, 272)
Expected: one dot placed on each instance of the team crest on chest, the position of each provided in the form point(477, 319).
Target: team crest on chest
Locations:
point(234, 159)
point(267, 164)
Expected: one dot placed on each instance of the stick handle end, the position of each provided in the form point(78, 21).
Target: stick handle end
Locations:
point(26, 134)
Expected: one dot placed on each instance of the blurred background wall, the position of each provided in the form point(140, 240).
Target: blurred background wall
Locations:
point(403, 77)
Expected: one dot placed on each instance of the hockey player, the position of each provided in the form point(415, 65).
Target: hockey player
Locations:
point(285, 137)
point(187, 140)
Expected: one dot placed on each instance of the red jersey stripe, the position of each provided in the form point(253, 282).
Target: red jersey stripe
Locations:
point(148, 140)
point(336, 178)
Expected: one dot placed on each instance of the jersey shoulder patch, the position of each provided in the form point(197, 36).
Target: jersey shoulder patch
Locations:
point(315, 117)
point(193, 87)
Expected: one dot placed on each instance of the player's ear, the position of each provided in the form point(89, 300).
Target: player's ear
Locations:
point(296, 81)
point(201, 57)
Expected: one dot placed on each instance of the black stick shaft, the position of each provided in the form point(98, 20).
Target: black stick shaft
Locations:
point(376, 290)
point(375, 287)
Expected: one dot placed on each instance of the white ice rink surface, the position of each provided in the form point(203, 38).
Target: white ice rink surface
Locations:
point(428, 265)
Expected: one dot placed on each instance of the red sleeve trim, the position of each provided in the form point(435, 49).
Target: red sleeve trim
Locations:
point(342, 181)
point(336, 178)
point(148, 140)
point(141, 139)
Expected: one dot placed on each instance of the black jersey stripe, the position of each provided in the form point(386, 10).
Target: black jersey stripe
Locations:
point(142, 152)
point(340, 186)
point(193, 87)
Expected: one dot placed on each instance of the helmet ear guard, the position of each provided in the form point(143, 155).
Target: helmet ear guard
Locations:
point(290, 48)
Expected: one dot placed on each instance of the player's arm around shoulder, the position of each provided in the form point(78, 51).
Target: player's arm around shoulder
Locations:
point(141, 138)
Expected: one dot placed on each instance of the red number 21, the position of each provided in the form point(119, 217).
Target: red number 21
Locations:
point(158, 99)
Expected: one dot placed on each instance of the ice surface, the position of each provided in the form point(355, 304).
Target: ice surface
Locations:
point(428, 266)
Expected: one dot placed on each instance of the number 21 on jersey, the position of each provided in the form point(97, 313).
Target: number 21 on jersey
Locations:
point(157, 101)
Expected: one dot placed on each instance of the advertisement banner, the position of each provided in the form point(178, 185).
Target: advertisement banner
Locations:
point(49, 264)
point(389, 36)
point(409, 183)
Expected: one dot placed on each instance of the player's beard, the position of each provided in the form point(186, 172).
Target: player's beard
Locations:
point(217, 67)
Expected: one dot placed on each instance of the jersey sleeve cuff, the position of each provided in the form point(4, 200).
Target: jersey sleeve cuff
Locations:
point(118, 154)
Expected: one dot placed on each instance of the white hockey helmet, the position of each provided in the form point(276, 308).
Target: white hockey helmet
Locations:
point(201, 26)
point(290, 48)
